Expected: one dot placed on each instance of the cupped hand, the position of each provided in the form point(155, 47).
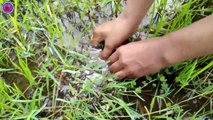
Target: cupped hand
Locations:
point(113, 33)
point(138, 59)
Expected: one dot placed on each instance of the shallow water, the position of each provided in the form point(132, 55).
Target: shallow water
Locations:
point(83, 46)
point(190, 106)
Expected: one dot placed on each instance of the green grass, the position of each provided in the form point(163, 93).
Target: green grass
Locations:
point(34, 68)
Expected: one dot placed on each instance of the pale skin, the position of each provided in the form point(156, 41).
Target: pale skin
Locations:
point(146, 57)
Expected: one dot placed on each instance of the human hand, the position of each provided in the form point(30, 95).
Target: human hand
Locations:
point(149, 56)
point(138, 59)
point(113, 33)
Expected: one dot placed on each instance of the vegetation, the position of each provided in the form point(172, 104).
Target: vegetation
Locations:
point(47, 69)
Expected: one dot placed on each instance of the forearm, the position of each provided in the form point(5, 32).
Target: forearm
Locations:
point(190, 42)
point(135, 11)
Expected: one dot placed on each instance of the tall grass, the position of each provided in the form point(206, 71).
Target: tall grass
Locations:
point(40, 79)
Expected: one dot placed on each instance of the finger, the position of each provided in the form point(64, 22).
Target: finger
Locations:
point(115, 67)
point(97, 37)
point(121, 74)
point(113, 58)
point(106, 53)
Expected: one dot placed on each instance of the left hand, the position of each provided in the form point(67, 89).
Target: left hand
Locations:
point(138, 59)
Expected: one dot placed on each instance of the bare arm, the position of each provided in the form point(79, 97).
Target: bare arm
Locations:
point(190, 42)
point(135, 11)
point(146, 57)
point(115, 32)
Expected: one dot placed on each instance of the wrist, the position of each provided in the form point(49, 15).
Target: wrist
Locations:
point(135, 11)
point(161, 51)
point(129, 24)
point(171, 49)
point(130, 19)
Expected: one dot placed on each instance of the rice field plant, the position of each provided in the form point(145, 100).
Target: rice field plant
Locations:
point(49, 70)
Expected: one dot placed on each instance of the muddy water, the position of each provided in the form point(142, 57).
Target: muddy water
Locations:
point(142, 105)
point(73, 26)
point(190, 106)
point(20, 81)
point(161, 107)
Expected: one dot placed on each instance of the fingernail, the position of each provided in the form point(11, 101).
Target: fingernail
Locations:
point(94, 45)
point(102, 56)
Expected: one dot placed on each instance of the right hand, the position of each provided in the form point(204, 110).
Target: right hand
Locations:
point(113, 33)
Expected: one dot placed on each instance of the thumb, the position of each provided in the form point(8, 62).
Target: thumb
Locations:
point(97, 37)
point(106, 52)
